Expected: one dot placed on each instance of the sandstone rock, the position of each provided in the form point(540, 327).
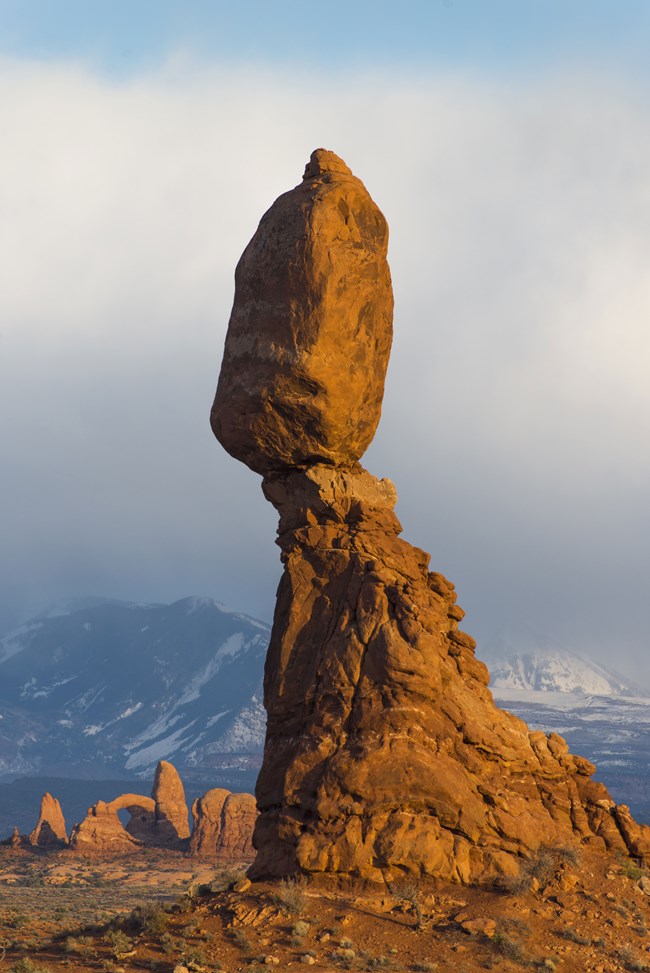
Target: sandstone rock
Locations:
point(171, 814)
point(50, 831)
point(223, 825)
point(101, 833)
point(385, 753)
point(479, 926)
point(207, 818)
point(310, 331)
point(16, 840)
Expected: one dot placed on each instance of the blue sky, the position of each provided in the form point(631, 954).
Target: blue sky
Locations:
point(507, 144)
point(120, 37)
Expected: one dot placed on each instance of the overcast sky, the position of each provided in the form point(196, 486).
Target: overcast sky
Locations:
point(508, 146)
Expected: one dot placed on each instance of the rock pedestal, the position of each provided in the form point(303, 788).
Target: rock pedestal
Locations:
point(385, 753)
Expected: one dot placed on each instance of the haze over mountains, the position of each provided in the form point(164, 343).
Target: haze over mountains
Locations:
point(107, 688)
point(101, 689)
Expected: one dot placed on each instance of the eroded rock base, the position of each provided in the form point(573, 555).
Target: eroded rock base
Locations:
point(385, 752)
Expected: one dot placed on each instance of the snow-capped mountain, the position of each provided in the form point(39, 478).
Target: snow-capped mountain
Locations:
point(550, 668)
point(602, 715)
point(118, 686)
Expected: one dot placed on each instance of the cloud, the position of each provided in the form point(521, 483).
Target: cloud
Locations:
point(517, 402)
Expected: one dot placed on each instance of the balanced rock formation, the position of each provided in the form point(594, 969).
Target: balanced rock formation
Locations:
point(310, 330)
point(385, 752)
point(172, 825)
point(223, 825)
point(50, 831)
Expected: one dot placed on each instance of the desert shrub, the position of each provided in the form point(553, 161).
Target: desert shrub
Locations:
point(196, 956)
point(290, 896)
point(151, 918)
point(371, 962)
point(300, 928)
point(241, 939)
point(409, 890)
point(630, 868)
point(25, 965)
point(631, 961)
point(424, 967)
point(507, 946)
point(514, 926)
point(79, 945)
point(167, 943)
point(568, 932)
point(543, 867)
point(119, 943)
point(226, 878)
point(16, 919)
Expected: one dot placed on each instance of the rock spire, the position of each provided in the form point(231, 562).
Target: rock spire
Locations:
point(385, 752)
point(50, 831)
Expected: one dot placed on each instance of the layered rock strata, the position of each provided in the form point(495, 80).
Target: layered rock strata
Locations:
point(385, 753)
point(50, 830)
point(223, 825)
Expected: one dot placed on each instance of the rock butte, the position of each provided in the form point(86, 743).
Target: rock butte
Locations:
point(385, 753)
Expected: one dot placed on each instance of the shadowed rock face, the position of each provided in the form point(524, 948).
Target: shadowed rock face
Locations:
point(385, 753)
point(309, 336)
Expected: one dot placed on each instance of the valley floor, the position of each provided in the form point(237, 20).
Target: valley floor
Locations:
point(571, 912)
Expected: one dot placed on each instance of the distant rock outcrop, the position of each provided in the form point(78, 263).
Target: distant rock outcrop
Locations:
point(157, 821)
point(101, 833)
point(50, 830)
point(385, 752)
point(171, 815)
point(223, 825)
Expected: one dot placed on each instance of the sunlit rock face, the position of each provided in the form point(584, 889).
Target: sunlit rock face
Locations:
point(309, 336)
point(385, 753)
point(50, 830)
point(171, 814)
point(223, 825)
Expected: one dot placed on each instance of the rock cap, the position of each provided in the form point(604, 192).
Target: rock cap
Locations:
point(309, 336)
